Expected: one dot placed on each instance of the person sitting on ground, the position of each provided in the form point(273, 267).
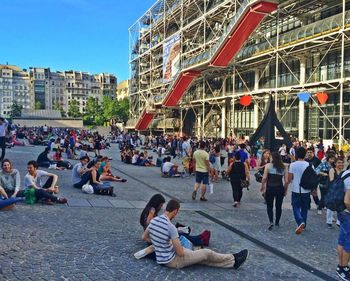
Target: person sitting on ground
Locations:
point(169, 169)
point(105, 171)
point(151, 211)
point(100, 187)
point(10, 179)
point(34, 179)
point(44, 161)
point(135, 157)
point(7, 203)
point(57, 157)
point(79, 170)
point(169, 252)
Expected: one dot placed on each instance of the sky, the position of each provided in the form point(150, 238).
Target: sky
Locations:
point(82, 35)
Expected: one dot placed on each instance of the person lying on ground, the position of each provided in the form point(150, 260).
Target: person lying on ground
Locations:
point(43, 191)
point(169, 252)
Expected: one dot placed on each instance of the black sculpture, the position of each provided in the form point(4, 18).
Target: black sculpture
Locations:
point(266, 129)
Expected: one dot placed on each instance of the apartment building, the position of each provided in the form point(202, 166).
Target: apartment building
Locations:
point(196, 60)
point(41, 88)
point(14, 85)
point(122, 90)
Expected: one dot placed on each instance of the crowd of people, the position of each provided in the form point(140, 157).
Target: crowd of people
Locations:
point(210, 160)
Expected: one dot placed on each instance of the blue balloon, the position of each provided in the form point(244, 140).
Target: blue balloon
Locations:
point(305, 96)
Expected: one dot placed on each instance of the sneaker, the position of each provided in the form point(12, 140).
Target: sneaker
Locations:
point(343, 273)
point(271, 226)
point(240, 258)
point(330, 225)
point(300, 228)
point(319, 212)
point(235, 204)
point(205, 237)
point(203, 199)
point(194, 194)
point(62, 201)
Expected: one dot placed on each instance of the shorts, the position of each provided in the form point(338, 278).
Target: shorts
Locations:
point(202, 177)
point(344, 231)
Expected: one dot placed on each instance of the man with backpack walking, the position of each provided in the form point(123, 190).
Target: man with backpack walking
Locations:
point(300, 195)
point(338, 199)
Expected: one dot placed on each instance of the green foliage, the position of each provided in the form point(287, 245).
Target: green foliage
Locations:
point(122, 111)
point(38, 105)
point(58, 106)
point(16, 110)
point(73, 109)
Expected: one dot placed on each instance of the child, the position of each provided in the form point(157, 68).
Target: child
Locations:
point(252, 161)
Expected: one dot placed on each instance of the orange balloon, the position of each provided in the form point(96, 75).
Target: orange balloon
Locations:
point(322, 97)
point(245, 100)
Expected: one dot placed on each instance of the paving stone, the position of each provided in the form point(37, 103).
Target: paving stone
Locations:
point(138, 204)
point(100, 203)
point(75, 202)
point(123, 204)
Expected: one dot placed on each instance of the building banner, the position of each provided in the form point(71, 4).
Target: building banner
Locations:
point(171, 58)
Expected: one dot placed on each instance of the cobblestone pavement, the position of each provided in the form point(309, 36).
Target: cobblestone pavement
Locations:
point(94, 237)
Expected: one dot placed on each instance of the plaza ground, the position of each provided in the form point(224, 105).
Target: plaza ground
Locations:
point(95, 237)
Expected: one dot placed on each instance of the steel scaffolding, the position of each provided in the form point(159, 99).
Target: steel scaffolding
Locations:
point(303, 46)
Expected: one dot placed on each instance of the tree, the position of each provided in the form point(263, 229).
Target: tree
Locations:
point(73, 109)
point(109, 108)
point(38, 105)
point(122, 112)
point(93, 114)
point(57, 106)
point(16, 110)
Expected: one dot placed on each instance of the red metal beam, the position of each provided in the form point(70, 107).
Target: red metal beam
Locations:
point(144, 120)
point(181, 84)
point(242, 32)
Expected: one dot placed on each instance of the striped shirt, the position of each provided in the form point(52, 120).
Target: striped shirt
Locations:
point(162, 231)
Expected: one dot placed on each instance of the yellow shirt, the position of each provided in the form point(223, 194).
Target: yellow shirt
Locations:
point(200, 156)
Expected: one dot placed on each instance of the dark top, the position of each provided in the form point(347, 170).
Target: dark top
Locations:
point(237, 172)
point(314, 161)
point(97, 177)
point(43, 157)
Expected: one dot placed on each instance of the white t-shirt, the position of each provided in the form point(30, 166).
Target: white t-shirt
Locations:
point(29, 180)
point(134, 159)
point(167, 166)
point(347, 181)
point(297, 168)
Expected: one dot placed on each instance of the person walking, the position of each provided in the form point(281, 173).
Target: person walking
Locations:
point(273, 188)
point(3, 127)
point(300, 196)
point(343, 247)
point(201, 167)
point(238, 171)
point(334, 174)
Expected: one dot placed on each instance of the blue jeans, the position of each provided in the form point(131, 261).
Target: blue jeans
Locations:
point(300, 204)
point(7, 202)
point(344, 231)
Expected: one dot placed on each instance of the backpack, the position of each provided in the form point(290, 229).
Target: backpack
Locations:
point(212, 158)
point(309, 179)
point(334, 199)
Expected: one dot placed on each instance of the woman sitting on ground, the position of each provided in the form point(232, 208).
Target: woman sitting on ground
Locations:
point(101, 188)
point(151, 211)
point(57, 157)
point(10, 183)
point(105, 171)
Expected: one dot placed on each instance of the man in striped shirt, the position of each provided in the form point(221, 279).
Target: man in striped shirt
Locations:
point(165, 239)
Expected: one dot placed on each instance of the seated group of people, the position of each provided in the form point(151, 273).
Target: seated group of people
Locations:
point(169, 250)
point(43, 183)
point(134, 157)
point(96, 173)
point(56, 161)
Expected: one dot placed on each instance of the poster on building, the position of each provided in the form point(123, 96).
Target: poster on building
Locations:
point(171, 58)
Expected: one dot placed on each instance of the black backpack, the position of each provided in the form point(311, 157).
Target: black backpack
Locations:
point(334, 199)
point(309, 179)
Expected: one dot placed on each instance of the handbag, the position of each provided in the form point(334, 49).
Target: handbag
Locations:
point(258, 176)
point(245, 184)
